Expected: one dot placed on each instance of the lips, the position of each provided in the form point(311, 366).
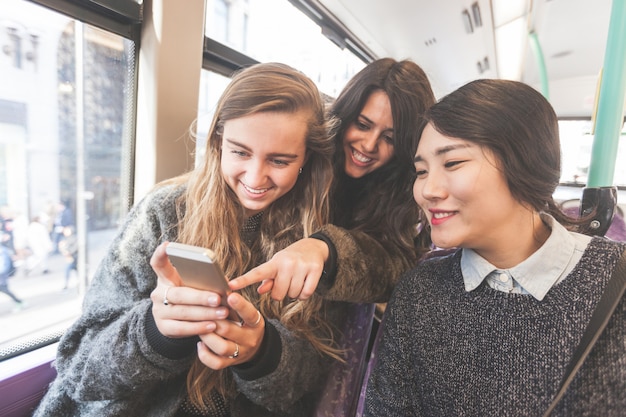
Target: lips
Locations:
point(360, 158)
point(254, 191)
point(440, 217)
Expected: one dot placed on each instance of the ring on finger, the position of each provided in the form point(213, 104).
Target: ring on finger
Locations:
point(234, 355)
point(165, 300)
point(258, 319)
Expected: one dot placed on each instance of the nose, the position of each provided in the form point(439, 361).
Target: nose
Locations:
point(370, 142)
point(429, 187)
point(256, 172)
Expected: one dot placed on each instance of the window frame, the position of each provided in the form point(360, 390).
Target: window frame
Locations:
point(122, 17)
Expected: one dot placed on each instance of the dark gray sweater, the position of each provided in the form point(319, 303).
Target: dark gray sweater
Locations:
point(448, 352)
point(109, 364)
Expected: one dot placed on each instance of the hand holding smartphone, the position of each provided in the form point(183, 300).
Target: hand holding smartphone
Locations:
point(199, 269)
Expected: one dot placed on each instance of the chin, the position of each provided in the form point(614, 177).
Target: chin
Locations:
point(353, 172)
point(443, 243)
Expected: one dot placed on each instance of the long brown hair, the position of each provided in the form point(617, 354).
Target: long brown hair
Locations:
point(385, 207)
point(210, 214)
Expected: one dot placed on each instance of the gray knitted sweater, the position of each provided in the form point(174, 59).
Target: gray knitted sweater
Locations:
point(107, 366)
point(448, 352)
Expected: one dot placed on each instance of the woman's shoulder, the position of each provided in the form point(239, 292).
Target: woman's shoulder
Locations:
point(161, 199)
point(158, 207)
point(602, 252)
point(164, 192)
point(433, 266)
point(604, 245)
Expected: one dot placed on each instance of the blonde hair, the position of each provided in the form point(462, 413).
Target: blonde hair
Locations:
point(211, 216)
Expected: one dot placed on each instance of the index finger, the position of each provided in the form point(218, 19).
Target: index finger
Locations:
point(261, 273)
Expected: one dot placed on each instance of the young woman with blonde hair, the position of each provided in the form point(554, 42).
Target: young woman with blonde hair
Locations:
point(145, 344)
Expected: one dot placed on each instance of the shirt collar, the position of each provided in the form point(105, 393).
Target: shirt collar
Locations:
point(538, 273)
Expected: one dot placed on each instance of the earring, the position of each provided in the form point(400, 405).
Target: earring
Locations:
point(300, 171)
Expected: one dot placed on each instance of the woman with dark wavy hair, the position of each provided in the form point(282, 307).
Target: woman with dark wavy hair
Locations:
point(374, 232)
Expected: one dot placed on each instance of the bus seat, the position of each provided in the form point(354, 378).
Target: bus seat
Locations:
point(343, 386)
point(617, 229)
point(24, 380)
point(371, 361)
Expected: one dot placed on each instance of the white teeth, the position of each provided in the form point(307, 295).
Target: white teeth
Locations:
point(253, 190)
point(441, 215)
point(360, 157)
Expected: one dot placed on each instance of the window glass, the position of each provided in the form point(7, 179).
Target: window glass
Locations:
point(274, 30)
point(211, 87)
point(576, 143)
point(65, 121)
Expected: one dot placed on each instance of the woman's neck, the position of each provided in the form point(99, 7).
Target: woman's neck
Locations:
point(515, 246)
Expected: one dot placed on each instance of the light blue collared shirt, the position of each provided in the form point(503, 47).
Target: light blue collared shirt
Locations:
point(549, 265)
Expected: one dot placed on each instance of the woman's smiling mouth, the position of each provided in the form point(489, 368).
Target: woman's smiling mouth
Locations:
point(360, 158)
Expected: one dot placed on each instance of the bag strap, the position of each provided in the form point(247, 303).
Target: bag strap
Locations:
point(610, 298)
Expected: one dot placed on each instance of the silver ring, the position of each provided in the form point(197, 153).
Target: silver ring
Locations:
point(165, 300)
point(258, 320)
point(234, 355)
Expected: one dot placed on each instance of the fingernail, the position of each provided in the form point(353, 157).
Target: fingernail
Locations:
point(211, 326)
point(213, 300)
point(222, 312)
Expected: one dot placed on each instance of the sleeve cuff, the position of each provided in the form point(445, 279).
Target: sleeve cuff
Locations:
point(267, 358)
point(329, 274)
point(169, 347)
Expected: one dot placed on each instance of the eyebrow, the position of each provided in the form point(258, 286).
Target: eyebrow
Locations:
point(444, 150)
point(272, 155)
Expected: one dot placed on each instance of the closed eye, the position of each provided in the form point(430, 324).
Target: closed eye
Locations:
point(420, 173)
point(279, 162)
point(452, 164)
point(239, 153)
point(360, 125)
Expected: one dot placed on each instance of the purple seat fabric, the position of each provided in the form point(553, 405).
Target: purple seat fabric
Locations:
point(368, 370)
point(341, 393)
point(617, 230)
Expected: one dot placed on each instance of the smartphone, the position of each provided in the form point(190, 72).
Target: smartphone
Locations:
point(199, 269)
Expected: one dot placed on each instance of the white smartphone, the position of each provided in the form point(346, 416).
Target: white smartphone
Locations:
point(199, 269)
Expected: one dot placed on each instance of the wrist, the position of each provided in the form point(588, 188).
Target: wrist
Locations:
point(330, 264)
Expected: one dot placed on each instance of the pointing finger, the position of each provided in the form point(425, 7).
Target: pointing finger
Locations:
point(258, 274)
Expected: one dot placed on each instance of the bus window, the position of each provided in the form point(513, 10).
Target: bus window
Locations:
point(66, 123)
point(211, 87)
point(274, 30)
point(271, 30)
point(576, 142)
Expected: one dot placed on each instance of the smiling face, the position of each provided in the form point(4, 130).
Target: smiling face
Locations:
point(261, 156)
point(368, 141)
point(465, 196)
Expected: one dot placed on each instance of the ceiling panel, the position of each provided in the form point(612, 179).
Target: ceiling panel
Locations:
point(571, 33)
